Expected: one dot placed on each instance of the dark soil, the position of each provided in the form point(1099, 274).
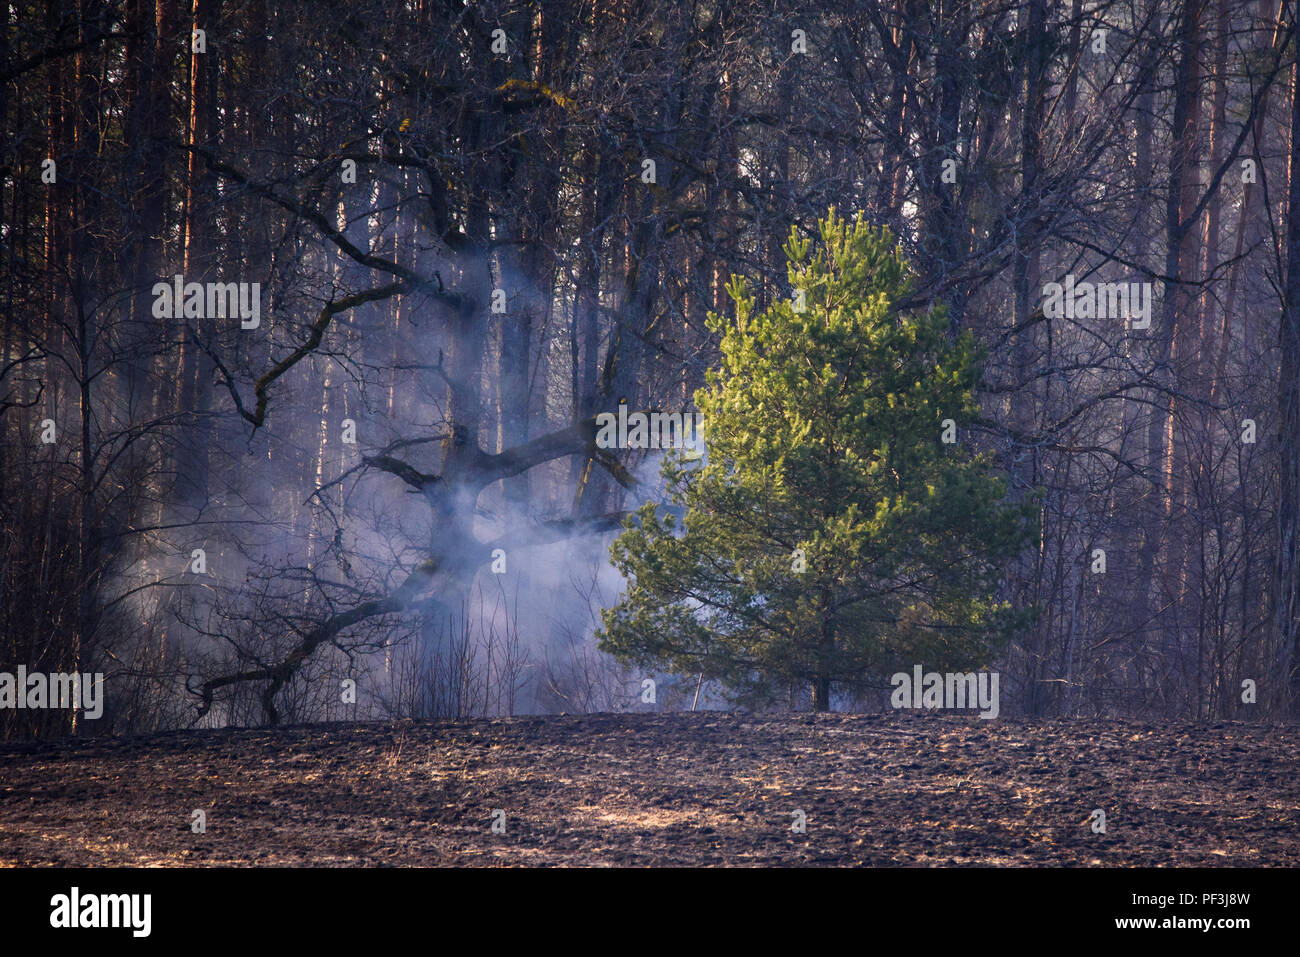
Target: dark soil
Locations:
point(655, 789)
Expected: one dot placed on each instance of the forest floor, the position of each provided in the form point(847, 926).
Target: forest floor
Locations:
point(662, 789)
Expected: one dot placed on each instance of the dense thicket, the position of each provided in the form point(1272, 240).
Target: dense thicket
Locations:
point(464, 253)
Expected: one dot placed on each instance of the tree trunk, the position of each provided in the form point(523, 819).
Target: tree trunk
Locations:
point(1159, 548)
point(1286, 607)
point(822, 693)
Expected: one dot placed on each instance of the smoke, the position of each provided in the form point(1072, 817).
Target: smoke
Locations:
point(279, 527)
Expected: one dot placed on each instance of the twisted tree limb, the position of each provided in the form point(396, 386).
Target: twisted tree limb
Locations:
point(396, 600)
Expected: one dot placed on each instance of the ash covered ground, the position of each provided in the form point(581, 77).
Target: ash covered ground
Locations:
point(662, 789)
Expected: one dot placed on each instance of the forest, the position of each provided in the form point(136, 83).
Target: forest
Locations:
point(310, 311)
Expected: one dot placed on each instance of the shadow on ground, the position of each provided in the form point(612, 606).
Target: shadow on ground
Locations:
point(657, 789)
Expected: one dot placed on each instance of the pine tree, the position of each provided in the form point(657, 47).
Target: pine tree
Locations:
point(830, 535)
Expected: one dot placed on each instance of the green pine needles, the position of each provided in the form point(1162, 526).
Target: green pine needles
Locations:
point(831, 535)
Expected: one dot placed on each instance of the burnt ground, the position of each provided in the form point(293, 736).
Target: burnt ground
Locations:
point(656, 789)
